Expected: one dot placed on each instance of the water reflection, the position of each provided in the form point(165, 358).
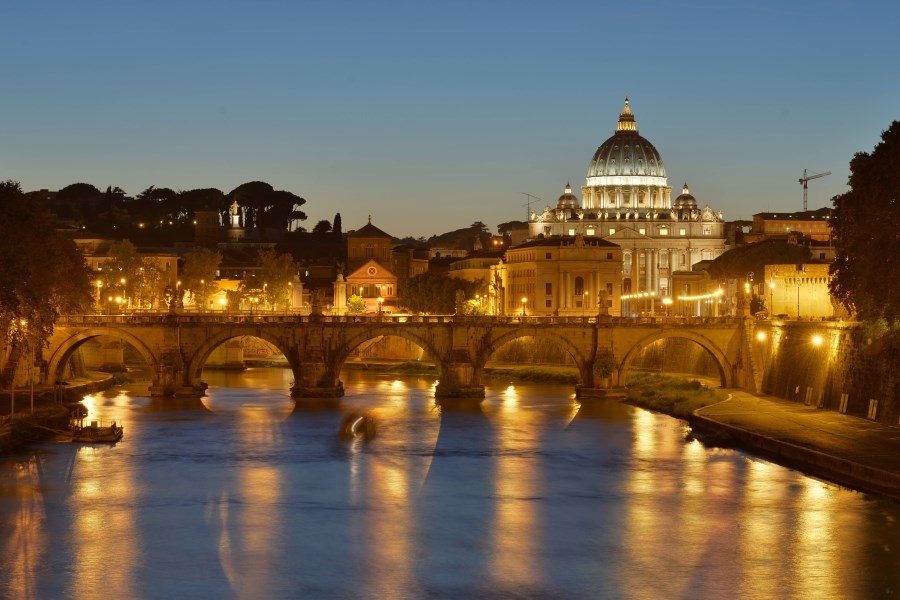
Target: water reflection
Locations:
point(529, 495)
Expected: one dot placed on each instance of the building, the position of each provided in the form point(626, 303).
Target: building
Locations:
point(812, 224)
point(558, 275)
point(628, 201)
point(800, 291)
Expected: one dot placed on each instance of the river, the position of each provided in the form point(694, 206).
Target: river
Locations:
point(242, 495)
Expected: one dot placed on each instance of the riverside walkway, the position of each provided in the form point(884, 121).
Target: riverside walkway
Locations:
point(850, 451)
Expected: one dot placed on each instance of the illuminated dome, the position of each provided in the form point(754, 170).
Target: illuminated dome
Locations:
point(685, 200)
point(568, 199)
point(626, 172)
point(626, 157)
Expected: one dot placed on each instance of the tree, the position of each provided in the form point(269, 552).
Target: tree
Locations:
point(121, 275)
point(42, 274)
point(322, 228)
point(753, 258)
point(356, 303)
point(277, 273)
point(434, 293)
point(336, 227)
point(266, 207)
point(865, 221)
point(199, 274)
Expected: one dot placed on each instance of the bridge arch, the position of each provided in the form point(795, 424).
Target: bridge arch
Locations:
point(574, 350)
point(723, 365)
point(342, 352)
point(202, 353)
point(63, 352)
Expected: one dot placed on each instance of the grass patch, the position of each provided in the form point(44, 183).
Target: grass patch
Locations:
point(670, 395)
point(540, 373)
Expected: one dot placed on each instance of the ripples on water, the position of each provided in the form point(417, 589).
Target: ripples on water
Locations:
point(242, 495)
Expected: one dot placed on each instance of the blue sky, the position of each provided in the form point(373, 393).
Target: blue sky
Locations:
point(430, 116)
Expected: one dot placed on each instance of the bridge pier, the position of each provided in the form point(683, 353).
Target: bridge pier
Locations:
point(316, 381)
point(458, 379)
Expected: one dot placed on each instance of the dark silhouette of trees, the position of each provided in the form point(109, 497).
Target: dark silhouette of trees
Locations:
point(322, 228)
point(336, 227)
point(865, 222)
point(434, 293)
point(42, 274)
point(266, 207)
point(753, 258)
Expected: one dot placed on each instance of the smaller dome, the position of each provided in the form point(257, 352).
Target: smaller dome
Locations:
point(568, 199)
point(685, 200)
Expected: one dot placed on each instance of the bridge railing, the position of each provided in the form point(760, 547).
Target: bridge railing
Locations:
point(167, 319)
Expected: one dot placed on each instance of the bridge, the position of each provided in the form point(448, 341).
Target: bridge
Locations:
point(176, 346)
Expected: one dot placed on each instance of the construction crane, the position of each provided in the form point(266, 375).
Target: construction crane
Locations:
point(805, 180)
point(528, 204)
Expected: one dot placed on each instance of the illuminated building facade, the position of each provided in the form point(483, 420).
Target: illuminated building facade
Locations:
point(628, 201)
point(562, 275)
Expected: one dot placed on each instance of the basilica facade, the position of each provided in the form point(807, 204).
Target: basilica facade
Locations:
point(627, 200)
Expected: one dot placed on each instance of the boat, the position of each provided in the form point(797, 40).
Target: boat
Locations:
point(96, 433)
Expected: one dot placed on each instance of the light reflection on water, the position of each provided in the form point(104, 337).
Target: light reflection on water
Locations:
point(242, 495)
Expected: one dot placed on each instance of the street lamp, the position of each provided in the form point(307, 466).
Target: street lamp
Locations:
point(667, 302)
point(524, 302)
point(771, 298)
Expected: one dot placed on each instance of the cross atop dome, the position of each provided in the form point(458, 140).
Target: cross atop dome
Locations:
point(626, 119)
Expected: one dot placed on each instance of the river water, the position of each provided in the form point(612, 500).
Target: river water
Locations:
point(242, 495)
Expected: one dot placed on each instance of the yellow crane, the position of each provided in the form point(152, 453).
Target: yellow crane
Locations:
point(805, 180)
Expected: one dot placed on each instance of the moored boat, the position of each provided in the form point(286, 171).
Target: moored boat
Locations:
point(96, 433)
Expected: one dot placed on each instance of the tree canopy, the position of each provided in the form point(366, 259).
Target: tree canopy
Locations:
point(433, 293)
point(865, 222)
point(42, 274)
point(753, 258)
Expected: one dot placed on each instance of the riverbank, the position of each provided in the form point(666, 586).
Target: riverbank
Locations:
point(850, 451)
point(51, 410)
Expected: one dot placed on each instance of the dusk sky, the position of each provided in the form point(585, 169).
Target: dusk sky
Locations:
point(430, 116)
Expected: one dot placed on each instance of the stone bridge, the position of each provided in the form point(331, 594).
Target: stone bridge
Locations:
point(176, 346)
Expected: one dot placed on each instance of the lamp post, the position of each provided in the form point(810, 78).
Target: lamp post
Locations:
point(99, 300)
point(667, 302)
point(524, 302)
point(771, 298)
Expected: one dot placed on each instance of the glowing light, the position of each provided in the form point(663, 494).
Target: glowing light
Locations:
point(761, 336)
point(817, 340)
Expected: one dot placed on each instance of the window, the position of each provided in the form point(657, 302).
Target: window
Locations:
point(548, 256)
point(571, 232)
point(609, 290)
point(546, 230)
point(663, 260)
point(612, 230)
point(590, 231)
point(707, 230)
point(609, 256)
point(579, 286)
point(706, 254)
point(548, 303)
point(683, 260)
point(642, 231)
point(370, 252)
point(663, 231)
point(642, 261)
point(548, 288)
point(682, 231)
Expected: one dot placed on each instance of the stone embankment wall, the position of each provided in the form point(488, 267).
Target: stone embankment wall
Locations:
point(830, 365)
